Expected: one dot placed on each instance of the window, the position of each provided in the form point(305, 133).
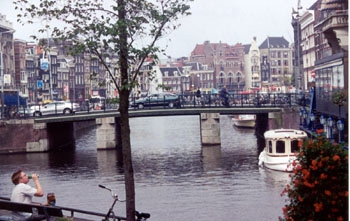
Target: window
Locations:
point(280, 146)
point(294, 146)
point(270, 146)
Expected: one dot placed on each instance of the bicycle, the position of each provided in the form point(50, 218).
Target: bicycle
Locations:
point(110, 214)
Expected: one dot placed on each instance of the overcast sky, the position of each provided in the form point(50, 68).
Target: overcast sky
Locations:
point(228, 21)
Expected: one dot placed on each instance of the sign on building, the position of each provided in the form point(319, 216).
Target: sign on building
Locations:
point(39, 84)
point(44, 64)
point(7, 79)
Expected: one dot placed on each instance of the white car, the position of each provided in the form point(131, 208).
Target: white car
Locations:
point(56, 107)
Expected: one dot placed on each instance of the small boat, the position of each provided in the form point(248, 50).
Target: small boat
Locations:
point(244, 120)
point(281, 146)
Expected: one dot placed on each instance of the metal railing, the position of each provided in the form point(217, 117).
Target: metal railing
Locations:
point(256, 100)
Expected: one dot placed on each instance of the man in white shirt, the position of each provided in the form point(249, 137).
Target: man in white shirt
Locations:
point(23, 193)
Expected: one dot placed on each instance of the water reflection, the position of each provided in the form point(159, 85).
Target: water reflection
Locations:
point(175, 177)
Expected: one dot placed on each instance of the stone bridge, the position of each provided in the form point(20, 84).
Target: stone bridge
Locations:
point(49, 133)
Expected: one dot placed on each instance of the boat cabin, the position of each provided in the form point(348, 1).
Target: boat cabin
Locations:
point(283, 142)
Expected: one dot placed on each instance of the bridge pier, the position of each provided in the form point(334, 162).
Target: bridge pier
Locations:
point(39, 141)
point(210, 128)
point(106, 133)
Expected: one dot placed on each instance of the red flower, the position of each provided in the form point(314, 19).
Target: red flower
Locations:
point(323, 176)
point(336, 158)
point(318, 207)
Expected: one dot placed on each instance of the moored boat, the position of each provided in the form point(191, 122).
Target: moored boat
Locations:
point(281, 146)
point(244, 120)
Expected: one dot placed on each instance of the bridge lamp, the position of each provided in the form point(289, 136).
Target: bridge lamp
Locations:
point(301, 116)
point(322, 120)
point(340, 126)
point(330, 124)
point(312, 118)
point(305, 116)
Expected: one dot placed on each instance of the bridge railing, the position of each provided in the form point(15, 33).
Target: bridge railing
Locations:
point(239, 100)
point(214, 100)
point(188, 101)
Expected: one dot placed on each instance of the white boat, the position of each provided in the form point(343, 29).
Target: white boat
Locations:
point(281, 146)
point(244, 120)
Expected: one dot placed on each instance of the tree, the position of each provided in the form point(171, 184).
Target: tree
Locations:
point(339, 98)
point(115, 34)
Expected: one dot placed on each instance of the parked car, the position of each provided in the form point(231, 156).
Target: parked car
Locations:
point(162, 99)
point(56, 107)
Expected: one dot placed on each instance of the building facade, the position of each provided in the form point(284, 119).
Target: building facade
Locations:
point(7, 52)
point(331, 65)
point(253, 74)
point(322, 32)
point(277, 67)
point(226, 62)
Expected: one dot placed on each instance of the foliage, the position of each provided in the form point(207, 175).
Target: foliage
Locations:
point(339, 97)
point(164, 87)
point(319, 183)
point(121, 35)
point(97, 29)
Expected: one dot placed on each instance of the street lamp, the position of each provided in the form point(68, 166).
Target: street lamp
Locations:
point(301, 116)
point(312, 119)
point(199, 80)
point(330, 124)
point(322, 120)
point(340, 126)
point(297, 43)
point(305, 116)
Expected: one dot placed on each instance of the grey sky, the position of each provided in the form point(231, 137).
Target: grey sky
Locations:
point(228, 21)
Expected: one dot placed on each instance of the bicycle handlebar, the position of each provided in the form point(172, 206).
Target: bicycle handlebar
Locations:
point(139, 216)
point(104, 187)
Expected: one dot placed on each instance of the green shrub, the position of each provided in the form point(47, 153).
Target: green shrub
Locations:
point(318, 189)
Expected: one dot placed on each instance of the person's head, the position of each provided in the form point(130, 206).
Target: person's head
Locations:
point(19, 177)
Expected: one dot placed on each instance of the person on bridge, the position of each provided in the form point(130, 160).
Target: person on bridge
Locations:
point(224, 96)
point(23, 193)
point(198, 96)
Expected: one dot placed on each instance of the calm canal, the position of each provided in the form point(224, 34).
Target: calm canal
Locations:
point(176, 179)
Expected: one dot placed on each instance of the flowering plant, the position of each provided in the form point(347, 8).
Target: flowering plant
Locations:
point(318, 189)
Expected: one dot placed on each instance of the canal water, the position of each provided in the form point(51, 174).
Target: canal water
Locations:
point(175, 177)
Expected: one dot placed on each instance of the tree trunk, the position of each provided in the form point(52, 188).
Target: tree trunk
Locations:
point(124, 112)
point(127, 158)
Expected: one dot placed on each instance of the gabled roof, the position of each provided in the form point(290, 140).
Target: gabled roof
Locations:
point(195, 66)
point(246, 48)
point(171, 71)
point(201, 49)
point(198, 50)
point(274, 42)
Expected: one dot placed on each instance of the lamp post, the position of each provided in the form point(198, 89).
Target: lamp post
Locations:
point(297, 45)
point(305, 116)
point(301, 116)
point(330, 124)
point(322, 120)
point(340, 126)
point(199, 81)
point(312, 119)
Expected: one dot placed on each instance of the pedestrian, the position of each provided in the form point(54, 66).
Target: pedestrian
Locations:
point(23, 193)
point(198, 96)
point(224, 96)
